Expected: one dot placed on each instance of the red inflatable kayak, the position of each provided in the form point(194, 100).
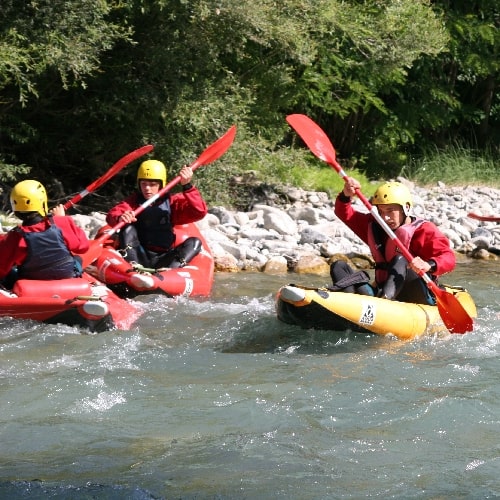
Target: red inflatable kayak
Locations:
point(83, 302)
point(127, 280)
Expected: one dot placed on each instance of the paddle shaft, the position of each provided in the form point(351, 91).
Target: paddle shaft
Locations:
point(144, 205)
point(119, 165)
point(484, 218)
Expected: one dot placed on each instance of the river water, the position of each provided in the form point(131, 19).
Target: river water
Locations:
point(215, 398)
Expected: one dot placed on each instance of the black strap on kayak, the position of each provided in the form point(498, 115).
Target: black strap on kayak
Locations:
point(357, 278)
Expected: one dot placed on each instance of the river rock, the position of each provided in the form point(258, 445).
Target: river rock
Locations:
point(276, 265)
point(312, 264)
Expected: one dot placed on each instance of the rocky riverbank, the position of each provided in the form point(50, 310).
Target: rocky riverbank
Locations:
point(293, 230)
point(297, 231)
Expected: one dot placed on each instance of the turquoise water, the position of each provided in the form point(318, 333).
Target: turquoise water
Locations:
point(215, 398)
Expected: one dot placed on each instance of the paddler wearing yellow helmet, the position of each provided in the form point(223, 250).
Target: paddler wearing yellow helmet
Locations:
point(148, 239)
point(43, 247)
point(395, 278)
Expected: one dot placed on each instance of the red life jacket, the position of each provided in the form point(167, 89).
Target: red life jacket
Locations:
point(383, 254)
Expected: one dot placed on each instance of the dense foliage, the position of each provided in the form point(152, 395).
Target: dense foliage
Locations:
point(82, 82)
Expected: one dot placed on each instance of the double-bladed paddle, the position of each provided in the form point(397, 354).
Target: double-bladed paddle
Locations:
point(121, 163)
point(453, 314)
point(210, 154)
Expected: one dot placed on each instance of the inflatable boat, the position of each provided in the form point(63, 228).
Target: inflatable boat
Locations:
point(320, 308)
point(129, 280)
point(83, 302)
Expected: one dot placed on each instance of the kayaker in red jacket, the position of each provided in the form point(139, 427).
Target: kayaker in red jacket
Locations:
point(395, 277)
point(43, 246)
point(149, 238)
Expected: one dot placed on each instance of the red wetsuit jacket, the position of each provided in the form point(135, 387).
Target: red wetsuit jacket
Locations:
point(428, 242)
point(186, 207)
point(14, 250)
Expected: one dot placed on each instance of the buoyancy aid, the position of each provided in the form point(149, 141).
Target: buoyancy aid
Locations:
point(384, 253)
point(48, 257)
point(154, 226)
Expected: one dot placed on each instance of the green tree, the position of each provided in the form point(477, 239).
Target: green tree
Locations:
point(84, 82)
point(47, 49)
point(448, 98)
point(363, 63)
point(467, 75)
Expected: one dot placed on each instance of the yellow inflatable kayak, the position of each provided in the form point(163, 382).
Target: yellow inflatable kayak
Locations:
point(320, 308)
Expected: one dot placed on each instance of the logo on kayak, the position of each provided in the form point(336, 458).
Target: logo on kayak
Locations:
point(367, 314)
point(188, 283)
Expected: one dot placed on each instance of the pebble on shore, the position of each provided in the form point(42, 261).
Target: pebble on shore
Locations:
point(294, 230)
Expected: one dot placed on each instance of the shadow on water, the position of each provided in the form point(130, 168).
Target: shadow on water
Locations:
point(269, 335)
point(259, 330)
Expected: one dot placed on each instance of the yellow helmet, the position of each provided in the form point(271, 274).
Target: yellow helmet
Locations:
point(152, 170)
point(29, 196)
point(393, 192)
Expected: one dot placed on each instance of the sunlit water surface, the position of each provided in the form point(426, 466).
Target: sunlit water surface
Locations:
point(216, 398)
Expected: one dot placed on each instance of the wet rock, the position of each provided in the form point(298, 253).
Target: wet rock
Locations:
point(312, 264)
point(276, 265)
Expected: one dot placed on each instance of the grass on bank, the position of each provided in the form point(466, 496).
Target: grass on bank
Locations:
point(229, 185)
point(298, 167)
point(252, 168)
point(454, 166)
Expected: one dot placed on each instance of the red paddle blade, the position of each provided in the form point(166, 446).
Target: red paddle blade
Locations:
point(314, 137)
point(216, 149)
point(452, 312)
point(210, 154)
point(119, 165)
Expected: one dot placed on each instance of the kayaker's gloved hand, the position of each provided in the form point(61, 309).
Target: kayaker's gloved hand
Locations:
point(186, 175)
point(128, 217)
point(58, 210)
point(419, 265)
point(350, 186)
